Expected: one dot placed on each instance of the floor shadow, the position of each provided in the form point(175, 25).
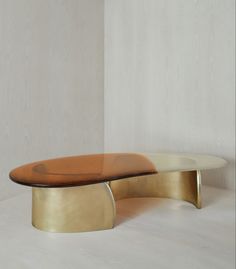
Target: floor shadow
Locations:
point(211, 195)
point(131, 208)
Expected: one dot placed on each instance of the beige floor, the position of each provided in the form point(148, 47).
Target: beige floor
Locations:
point(150, 233)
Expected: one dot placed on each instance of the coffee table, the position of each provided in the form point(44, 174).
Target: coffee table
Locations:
point(78, 193)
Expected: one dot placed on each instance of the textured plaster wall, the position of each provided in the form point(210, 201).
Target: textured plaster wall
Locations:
point(170, 79)
point(51, 81)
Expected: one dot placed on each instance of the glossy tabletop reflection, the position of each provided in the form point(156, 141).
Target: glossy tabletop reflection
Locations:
point(97, 168)
point(82, 170)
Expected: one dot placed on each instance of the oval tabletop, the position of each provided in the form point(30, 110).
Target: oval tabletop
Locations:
point(82, 170)
point(96, 168)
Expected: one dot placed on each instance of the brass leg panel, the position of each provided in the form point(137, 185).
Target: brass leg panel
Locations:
point(178, 185)
point(92, 207)
point(74, 209)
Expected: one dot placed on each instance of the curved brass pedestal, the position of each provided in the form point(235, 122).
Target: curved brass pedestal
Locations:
point(92, 207)
point(73, 209)
point(177, 185)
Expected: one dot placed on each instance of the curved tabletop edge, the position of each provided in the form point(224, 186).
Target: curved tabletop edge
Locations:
point(82, 170)
point(173, 162)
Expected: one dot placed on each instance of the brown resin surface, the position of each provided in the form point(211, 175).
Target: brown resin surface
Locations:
point(82, 170)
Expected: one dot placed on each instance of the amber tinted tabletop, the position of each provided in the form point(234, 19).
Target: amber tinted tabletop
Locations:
point(82, 170)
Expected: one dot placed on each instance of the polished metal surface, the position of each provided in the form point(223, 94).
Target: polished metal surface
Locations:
point(73, 209)
point(178, 185)
point(92, 207)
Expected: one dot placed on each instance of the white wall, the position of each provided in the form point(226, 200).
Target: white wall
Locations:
point(169, 79)
point(51, 81)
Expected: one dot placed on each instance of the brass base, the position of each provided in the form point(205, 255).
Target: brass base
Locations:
point(92, 207)
point(177, 185)
point(73, 209)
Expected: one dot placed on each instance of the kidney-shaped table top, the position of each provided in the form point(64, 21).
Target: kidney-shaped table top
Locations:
point(97, 168)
